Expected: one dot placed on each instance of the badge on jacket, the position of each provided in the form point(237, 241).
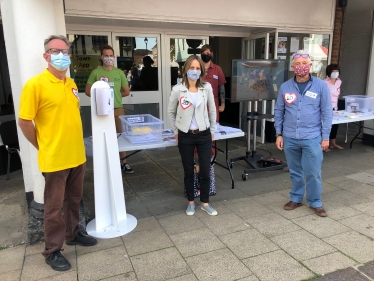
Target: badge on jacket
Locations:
point(290, 98)
point(184, 103)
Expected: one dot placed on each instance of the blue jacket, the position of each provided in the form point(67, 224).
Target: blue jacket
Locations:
point(304, 115)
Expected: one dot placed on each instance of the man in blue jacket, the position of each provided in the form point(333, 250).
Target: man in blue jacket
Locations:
point(303, 116)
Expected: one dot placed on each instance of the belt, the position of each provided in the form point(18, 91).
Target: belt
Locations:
point(194, 132)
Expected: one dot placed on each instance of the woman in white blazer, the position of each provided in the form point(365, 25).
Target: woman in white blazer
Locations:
point(192, 113)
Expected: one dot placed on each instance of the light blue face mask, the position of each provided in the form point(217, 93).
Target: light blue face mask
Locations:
point(193, 74)
point(60, 61)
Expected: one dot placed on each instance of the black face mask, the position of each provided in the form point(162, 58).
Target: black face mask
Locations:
point(206, 58)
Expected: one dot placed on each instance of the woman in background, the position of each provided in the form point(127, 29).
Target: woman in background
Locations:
point(192, 114)
point(333, 82)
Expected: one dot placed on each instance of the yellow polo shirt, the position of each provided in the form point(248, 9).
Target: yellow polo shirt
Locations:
point(54, 106)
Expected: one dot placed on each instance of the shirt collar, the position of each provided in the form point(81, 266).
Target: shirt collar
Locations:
point(53, 78)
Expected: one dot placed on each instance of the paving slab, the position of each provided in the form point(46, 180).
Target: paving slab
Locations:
point(160, 265)
point(68, 276)
point(279, 267)
point(328, 187)
point(102, 244)
point(37, 248)
point(290, 214)
point(362, 177)
point(102, 264)
point(129, 276)
point(338, 211)
point(270, 198)
point(345, 197)
point(37, 261)
point(188, 277)
point(224, 223)
point(320, 227)
point(354, 245)
point(348, 274)
point(219, 206)
point(196, 242)
point(180, 223)
point(363, 223)
point(272, 224)
point(14, 275)
point(302, 245)
point(218, 265)
point(368, 269)
point(367, 208)
point(144, 241)
point(248, 208)
point(12, 258)
point(329, 263)
point(248, 243)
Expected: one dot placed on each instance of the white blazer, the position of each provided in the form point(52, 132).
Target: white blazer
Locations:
point(181, 109)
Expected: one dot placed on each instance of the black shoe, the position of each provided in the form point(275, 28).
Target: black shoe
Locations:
point(58, 261)
point(83, 240)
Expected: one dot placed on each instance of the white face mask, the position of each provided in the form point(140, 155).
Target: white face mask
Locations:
point(334, 75)
point(108, 61)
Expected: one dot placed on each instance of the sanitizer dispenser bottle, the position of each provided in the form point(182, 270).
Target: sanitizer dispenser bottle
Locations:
point(104, 101)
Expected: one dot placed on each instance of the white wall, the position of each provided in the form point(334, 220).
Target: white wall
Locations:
point(316, 14)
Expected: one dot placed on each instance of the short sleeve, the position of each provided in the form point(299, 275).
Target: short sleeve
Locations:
point(221, 77)
point(29, 101)
point(92, 78)
point(124, 81)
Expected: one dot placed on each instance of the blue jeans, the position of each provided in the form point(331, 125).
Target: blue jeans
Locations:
point(304, 158)
point(203, 143)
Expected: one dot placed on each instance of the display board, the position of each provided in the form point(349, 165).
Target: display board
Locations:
point(257, 79)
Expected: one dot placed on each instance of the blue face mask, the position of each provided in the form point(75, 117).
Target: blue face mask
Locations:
point(60, 61)
point(193, 74)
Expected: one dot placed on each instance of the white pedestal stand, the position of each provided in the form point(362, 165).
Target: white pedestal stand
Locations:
point(110, 209)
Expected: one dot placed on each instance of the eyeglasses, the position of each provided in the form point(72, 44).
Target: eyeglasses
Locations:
point(301, 56)
point(55, 51)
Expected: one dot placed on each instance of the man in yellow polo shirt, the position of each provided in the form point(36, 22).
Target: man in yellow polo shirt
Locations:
point(51, 100)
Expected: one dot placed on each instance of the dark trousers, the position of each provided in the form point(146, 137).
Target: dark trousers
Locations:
point(334, 131)
point(63, 190)
point(203, 143)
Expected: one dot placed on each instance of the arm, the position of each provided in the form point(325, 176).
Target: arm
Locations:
point(279, 118)
point(125, 91)
point(326, 112)
point(222, 95)
point(28, 130)
point(212, 109)
point(87, 90)
point(172, 109)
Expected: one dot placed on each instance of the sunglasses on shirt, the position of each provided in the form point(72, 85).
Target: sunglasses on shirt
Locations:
point(300, 56)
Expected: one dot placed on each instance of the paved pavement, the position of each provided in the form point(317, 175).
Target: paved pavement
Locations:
point(252, 238)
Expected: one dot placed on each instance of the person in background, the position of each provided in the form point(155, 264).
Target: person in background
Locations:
point(333, 83)
point(194, 126)
point(51, 101)
point(135, 80)
point(214, 75)
point(303, 117)
point(117, 81)
point(129, 76)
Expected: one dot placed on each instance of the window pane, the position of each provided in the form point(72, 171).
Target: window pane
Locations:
point(85, 57)
point(180, 50)
point(316, 45)
point(137, 56)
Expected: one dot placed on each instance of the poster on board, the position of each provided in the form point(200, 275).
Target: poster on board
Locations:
point(294, 44)
point(282, 45)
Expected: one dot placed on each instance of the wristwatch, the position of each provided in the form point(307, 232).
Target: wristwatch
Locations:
point(278, 135)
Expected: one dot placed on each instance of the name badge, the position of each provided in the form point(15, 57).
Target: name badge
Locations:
point(111, 84)
point(332, 89)
point(311, 94)
point(215, 77)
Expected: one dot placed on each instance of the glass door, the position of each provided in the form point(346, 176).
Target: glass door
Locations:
point(178, 49)
point(137, 56)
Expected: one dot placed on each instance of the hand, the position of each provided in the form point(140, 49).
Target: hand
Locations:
point(325, 144)
point(279, 142)
point(176, 137)
point(221, 108)
point(212, 136)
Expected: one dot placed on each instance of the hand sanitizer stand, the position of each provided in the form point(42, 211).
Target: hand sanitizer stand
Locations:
point(110, 209)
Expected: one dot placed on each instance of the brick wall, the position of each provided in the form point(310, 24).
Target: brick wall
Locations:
point(336, 35)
